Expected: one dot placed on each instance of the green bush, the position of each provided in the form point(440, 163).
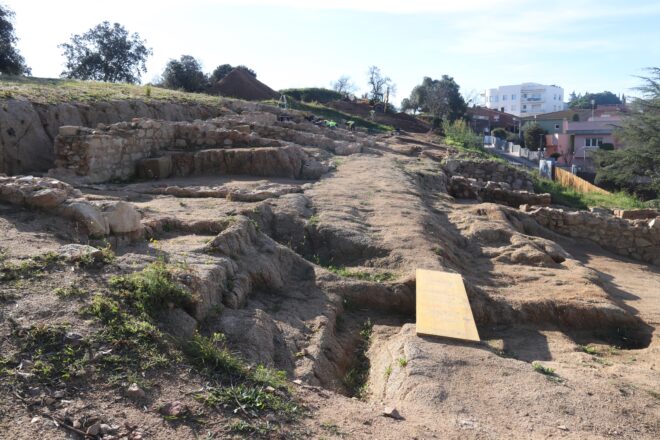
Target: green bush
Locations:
point(313, 94)
point(534, 136)
point(460, 132)
point(499, 133)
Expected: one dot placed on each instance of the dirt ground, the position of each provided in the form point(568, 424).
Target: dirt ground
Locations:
point(314, 264)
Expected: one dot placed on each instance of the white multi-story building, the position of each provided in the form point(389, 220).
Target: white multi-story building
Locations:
point(526, 99)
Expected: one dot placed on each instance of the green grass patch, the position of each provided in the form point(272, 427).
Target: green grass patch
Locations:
point(32, 267)
point(332, 114)
point(251, 400)
point(53, 90)
point(153, 289)
point(589, 349)
point(569, 197)
point(540, 368)
point(45, 354)
point(212, 355)
point(360, 275)
point(70, 292)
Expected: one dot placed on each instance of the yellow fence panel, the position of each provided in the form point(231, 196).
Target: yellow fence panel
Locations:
point(577, 183)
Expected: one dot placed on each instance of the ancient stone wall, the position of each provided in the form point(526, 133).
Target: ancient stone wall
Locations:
point(29, 129)
point(495, 192)
point(488, 170)
point(639, 239)
point(115, 152)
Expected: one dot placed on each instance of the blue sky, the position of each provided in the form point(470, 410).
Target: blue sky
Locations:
point(581, 45)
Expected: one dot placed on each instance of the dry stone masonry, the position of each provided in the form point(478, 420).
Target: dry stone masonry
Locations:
point(639, 239)
point(467, 188)
point(486, 170)
point(250, 143)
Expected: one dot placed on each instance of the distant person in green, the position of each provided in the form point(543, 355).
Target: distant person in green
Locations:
point(330, 124)
point(351, 125)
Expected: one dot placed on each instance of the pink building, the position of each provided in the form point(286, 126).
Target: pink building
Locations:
point(576, 139)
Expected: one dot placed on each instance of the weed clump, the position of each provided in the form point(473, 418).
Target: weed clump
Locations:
point(153, 289)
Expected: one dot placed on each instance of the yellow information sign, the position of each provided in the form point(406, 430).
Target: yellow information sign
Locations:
point(443, 308)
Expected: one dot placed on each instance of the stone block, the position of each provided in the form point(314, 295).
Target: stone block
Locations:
point(635, 214)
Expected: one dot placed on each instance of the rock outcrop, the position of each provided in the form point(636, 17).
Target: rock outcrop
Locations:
point(98, 219)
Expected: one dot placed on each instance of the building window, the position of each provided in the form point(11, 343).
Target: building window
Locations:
point(503, 97)
point(593, 142)
point(524, 95)
point(513, 97)
point(556, 126)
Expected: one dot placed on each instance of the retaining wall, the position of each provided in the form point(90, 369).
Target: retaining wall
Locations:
point(638, 239)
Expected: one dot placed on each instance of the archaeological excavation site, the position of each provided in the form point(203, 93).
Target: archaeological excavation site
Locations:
point(238, 270)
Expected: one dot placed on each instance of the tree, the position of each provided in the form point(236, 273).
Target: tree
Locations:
point(220, 72)
point(247, 70)
point(637, 166)
point(11, 61)
point(441, 98)
point(184, 74)
point(499, 132)
point(534, 134)
point(378, 84)
point(344, 85)
point(584, 101)
point(223, 70)
point(106, 53)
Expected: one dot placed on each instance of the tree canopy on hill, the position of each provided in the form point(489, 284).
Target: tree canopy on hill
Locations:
point(184, 74)
point(441, 98)
point(584, 101)
point(636, 167)
point(223, 70)
point(106, 53)
point(313, 94)
point(11, 61)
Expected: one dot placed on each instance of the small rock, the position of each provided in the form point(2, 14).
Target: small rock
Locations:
point(73, 339)
point(135, 392)
point(35, 419)
point(95, 429)
point(47, 198)
point(392, 413)
point(58, 394)
point(269, 389)
point(173, 409)
point(562, 427)
point(298, 381)
point(107, 429)
point(78, 252)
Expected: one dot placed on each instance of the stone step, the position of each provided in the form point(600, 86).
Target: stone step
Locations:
point(289, 162)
